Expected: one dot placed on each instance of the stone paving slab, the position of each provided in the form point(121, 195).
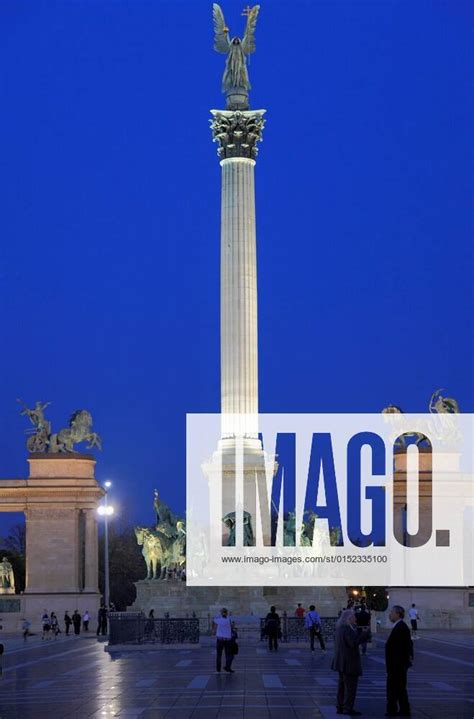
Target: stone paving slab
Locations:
point(78, 680)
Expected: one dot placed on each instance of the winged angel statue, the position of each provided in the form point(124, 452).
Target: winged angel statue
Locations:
point(235, 79)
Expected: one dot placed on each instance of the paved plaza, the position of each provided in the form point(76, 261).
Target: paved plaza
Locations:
point(75, 677)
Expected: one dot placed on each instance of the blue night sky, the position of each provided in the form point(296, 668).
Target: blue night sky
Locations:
point(110, 187)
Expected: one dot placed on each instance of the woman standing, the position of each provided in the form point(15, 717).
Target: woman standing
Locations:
point(347, 661)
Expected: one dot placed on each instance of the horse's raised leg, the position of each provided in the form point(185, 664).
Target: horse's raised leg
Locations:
point(93, 439)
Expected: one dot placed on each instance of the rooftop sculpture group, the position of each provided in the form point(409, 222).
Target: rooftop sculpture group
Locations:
point(443, 427)
point(43, 440)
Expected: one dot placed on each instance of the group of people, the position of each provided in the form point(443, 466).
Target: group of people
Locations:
point(50, 628)
point(312, 622)
point(50, 624)
point(351, 638)
point(76, 621)
point(347, 662)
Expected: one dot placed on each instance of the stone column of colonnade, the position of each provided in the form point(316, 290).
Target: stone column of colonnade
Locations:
point(237, 133)
point(91, 552)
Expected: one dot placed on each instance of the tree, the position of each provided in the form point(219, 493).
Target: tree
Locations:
point(376, 596)
point(16, 539)
point(126, 564)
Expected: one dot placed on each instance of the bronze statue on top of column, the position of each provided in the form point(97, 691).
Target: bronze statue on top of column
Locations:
point(235, 82)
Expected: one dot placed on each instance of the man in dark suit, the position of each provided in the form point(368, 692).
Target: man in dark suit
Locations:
point(363, 620)
point(398, 657)
point(347, 661)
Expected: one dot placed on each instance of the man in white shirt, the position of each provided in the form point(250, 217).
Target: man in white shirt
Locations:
point(414, 619)
point(223, 627)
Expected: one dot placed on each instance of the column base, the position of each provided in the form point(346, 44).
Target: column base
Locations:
point(250, 445)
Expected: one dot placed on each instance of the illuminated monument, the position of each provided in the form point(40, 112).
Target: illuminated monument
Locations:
point(237, 130)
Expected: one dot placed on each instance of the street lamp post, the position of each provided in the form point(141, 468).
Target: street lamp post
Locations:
point(106, 510)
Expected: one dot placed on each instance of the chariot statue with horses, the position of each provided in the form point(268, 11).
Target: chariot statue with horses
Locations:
point(41, 438)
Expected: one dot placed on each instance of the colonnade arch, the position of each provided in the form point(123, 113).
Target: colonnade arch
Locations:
point(59, 499)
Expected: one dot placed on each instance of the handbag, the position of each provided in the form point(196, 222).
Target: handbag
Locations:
point(312, 625)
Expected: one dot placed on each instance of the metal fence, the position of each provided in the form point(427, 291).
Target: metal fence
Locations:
point(293, 629)
point(135, 628)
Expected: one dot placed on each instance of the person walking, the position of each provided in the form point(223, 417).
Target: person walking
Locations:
point(347, 662)
point(224, 630)
point(398, 658)
point(25, 626)
point(85, 620)
point(273, 628)
point(76, 620)
point(363, 622)
point(414, 618)
point(313, 623)
point(67, 622)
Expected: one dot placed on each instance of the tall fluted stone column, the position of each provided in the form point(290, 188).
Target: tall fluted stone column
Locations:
point(91, 552)
point(237, 134)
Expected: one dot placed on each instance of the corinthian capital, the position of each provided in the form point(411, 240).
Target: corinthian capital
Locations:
point(237, 132)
